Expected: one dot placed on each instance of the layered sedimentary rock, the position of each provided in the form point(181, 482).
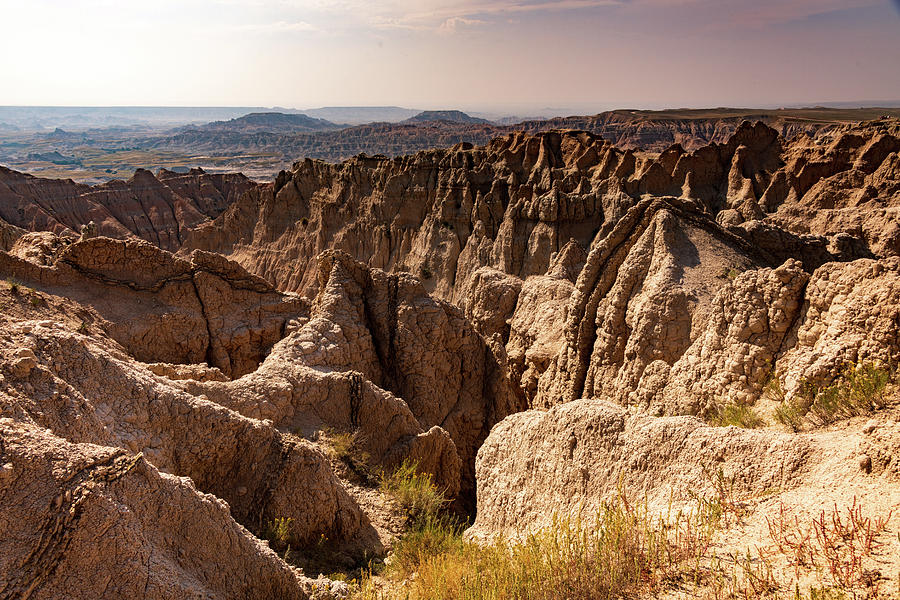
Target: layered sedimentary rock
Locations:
point(541, 319)
point(90, 428)
point(648, 131)
point(845, 182)
point(675, 315)
point(375, 356)
point(510, 205)
point(159, 307)
point(86, 390)
point(160, 208)
point(406, 371)
point(87, 521)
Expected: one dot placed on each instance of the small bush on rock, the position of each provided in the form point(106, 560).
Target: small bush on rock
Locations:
point(858, 390)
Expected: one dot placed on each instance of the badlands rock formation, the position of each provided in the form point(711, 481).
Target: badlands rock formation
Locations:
point(539, 323)
point(161, 308)
point(157, 208)
point(153, 535)
point(512, 204)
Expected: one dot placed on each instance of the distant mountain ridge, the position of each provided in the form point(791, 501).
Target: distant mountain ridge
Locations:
point(361, 115)
point(275, 122)
point(453, 116)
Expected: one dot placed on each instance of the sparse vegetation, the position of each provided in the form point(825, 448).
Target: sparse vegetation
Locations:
point(35, 299)
point(730, 273)
point(278, 533)
point(83, 328)
point(772, 387)
point(858, 390)
point(738, 414)
point(425, 272)
point(345, 447)
point(624, 552)
point(13, 286)
point(416, 492)
point(835, 544)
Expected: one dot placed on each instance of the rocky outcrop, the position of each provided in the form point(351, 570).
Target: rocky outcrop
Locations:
point(381, 338)
point(734, 356)
point(537, 324)
point(676, 315)
point(8, 235)
point(159, 533)
point(85, 391)
point(845, 182)
point(641, 300)
point(569, 460)
point(162, 308)
point(511, 204)
point(160, 209)
point(849, 316)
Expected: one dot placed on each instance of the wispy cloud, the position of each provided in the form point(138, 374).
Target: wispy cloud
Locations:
point(455, 24)
point(278, 27)
point(755, 14)
point(445, 16)
point(772, 12)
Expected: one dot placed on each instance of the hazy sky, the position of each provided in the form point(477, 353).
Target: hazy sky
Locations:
point(470, 54)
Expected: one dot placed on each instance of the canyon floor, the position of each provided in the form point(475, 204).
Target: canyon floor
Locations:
point(548, 366)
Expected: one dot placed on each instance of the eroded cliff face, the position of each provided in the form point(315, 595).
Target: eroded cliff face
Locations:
point(514, 203)
point(158, 307)
point(537, 323)
point(160, 208)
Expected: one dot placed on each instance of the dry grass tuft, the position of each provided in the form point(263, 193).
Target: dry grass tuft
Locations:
point(345, 447)
point(624, 552)
point(416, 492)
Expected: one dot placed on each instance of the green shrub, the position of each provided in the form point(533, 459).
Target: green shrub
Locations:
point(738, 414)
point(416, 492)
point(13, 286)
point(858, 390)
point(278, 534)
point(791, 413)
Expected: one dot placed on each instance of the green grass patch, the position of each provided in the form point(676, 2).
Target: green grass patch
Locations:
point(738, 414)
point(278, 533)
